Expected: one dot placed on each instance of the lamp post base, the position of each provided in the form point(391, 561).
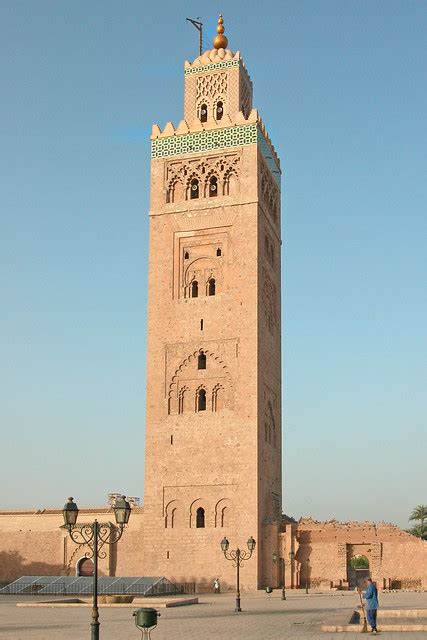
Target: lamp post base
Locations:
point(94, 630)
point(237, 608)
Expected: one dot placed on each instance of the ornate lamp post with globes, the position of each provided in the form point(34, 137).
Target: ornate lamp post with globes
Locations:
point(237, 556)
point(96, 535)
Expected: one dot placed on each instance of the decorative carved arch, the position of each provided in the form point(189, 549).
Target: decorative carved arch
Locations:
point(200, 402)
point(216, 391)
point(218, 98)
point(212, 173)
point(172, 391)
point(224, 503)
point(269, 300)
point(76, 551)
point(175, 190)
point(231, 182)
point(195, 175)
point(207, 103)
point(182, 401)
point(174, 509)
point(198, 266)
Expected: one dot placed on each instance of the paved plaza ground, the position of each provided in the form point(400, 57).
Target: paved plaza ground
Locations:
point(262, 618)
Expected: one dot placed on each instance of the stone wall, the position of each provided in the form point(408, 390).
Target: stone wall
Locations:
point(32, 543)
point(395, 557)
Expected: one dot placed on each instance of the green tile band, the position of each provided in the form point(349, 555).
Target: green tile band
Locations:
point(204, 141)
point(226, 64)
point(201, 141)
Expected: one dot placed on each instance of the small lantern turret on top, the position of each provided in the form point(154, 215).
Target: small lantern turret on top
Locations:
point(217, 85)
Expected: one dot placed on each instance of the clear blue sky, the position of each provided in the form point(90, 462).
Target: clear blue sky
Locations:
point(342, 88)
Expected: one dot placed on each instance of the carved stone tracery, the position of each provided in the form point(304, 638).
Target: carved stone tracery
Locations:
point(245, 97)
point(269, 192)
point(179, 175)
point(271, 418)
point(270, 303)
point(213, 86)
point(188, 381)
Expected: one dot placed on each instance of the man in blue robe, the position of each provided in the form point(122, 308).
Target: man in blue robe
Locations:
point(371, 598)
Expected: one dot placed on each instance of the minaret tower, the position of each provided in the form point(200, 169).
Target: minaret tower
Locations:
point(213, 438)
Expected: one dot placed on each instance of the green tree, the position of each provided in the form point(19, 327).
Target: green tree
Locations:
point(419, 513)
point(359, 562)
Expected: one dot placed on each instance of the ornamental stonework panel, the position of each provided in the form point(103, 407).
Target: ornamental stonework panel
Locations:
point(201, 261)
point(212, 86)
point(269, 298)
point(269, 193)
point(181, 174)
point(245, 96)
point(272, 431)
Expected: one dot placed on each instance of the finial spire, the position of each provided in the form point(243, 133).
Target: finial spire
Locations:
point(220, 41)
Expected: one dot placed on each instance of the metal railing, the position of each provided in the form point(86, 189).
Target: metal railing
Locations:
point(64, 589)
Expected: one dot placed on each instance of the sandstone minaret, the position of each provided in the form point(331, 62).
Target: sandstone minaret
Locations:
point(213, 437)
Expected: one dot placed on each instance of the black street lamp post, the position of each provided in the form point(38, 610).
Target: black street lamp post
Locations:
point(307, 570)
point(237, 556)
point(96, 535)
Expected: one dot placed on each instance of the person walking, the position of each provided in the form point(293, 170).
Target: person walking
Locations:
point(216, 585)
point(371, 598)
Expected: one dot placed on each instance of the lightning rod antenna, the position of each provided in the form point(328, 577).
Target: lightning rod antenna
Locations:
point(199, 26)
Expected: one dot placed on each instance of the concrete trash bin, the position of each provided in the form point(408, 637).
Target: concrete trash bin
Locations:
point(146, 617)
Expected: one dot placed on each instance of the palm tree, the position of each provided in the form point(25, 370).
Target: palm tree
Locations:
point(420, 513)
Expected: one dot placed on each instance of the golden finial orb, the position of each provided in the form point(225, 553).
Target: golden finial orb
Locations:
point(220, 41)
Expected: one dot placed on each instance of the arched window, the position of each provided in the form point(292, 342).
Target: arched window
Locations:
point(173, 518)
point(194, 189)
point(186, 255)
point(201, 400)
point(201, 361)
point(211, 287)
point(194, 289)
point(203, 113)
point(218, 252)
point(219, 110)
point(200, 518)
point(213, 187)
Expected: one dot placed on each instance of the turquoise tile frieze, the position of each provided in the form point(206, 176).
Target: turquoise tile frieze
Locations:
point(226, 64)
point(200, 141)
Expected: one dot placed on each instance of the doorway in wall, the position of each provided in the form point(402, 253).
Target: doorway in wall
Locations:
point(358, 571)
point(85, 567)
